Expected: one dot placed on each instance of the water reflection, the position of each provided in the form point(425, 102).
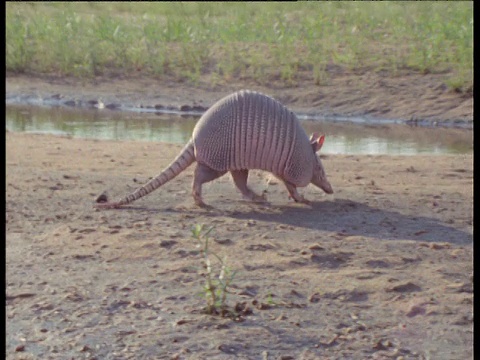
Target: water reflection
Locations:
point(342, 138)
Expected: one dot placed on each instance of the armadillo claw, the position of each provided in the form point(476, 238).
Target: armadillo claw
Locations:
point(199, 202)
point(305, 201)
point(300, 199)
point(203, 205)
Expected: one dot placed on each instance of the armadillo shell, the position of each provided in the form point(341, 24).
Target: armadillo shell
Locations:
point(249, 130)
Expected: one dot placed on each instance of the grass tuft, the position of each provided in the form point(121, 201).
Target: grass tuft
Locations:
point(216, 287)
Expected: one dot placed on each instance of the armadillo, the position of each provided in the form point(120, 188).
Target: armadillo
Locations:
point(244, 131)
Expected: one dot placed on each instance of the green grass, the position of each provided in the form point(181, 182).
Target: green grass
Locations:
point(261, 42)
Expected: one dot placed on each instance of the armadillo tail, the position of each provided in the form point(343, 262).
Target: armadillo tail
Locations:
point(181, 162)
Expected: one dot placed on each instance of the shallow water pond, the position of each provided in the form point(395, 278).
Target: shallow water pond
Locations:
point(341, 137)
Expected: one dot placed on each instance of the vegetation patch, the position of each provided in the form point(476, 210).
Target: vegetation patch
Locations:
point(289, 42)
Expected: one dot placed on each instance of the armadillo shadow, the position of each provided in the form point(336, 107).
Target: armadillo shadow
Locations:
point(355, 218)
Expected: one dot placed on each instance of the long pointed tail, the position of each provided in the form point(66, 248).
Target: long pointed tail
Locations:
point(181, 162)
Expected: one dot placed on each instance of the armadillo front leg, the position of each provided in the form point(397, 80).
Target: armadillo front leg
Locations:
point(292, 190)
point(240, 179)
point(203, 174)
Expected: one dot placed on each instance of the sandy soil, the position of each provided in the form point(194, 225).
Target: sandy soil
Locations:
point(382, 269)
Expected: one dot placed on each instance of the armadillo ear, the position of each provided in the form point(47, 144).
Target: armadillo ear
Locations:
point(314, 137)
point(318, 143)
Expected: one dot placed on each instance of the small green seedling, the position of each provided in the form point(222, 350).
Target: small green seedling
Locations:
point(216, 287)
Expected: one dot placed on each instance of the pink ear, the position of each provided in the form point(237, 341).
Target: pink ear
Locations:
point(318, 143)
point(321, 140)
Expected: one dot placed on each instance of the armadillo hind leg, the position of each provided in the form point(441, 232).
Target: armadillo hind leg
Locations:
point(202, 175)
point(292, 190)
point(240, 179)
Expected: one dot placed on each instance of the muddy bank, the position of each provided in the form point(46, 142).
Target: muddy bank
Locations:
point(419, 100)
point(381, 269)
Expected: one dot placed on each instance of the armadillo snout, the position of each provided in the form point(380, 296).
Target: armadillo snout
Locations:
point(327, 188)
point(323, 184)
point(319, 178)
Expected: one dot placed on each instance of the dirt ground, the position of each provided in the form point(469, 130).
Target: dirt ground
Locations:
point(410, 96)
point(381, 269)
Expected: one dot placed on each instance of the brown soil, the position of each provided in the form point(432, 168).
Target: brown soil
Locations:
point(409, 96)
point(382, 269)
